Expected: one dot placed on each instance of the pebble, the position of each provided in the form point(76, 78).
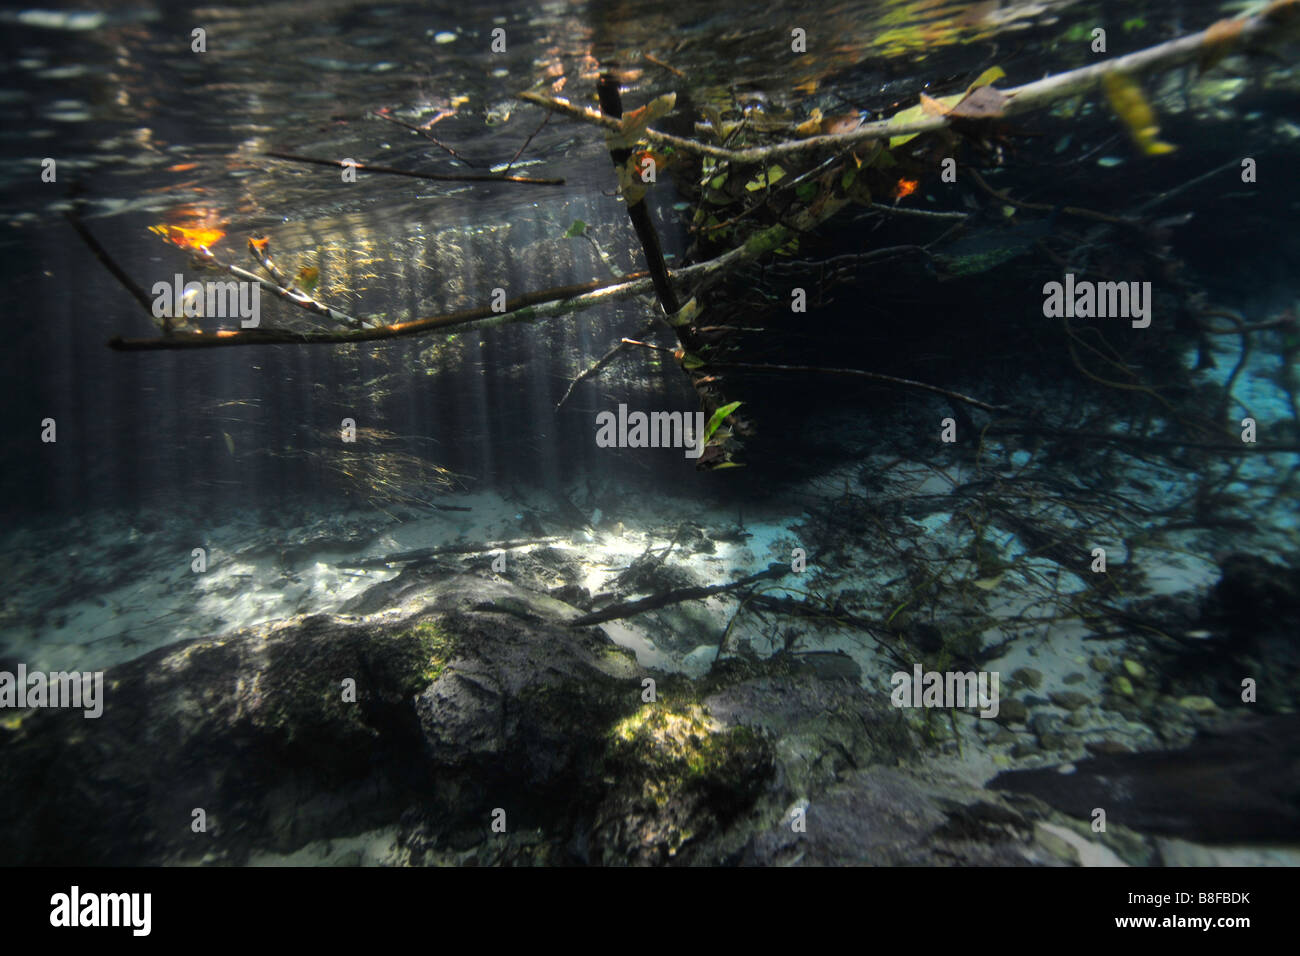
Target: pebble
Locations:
point(1042, 724)
point(1011, 711)
point(1100, 664)
point(1068, 699)
point(1075, 678)
point(1198, 704)
point(1135, 670)
point(1028, 677)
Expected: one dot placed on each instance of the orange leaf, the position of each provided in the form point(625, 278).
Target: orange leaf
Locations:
point(188, 238)
point(932, 106)
point(905, 188)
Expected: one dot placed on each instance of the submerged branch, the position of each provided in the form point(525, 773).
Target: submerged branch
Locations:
point(546, 303)
point(875, 376)
point(629, 608)
point(1019, 99)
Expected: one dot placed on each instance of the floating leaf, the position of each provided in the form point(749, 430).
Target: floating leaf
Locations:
point(576, 228)
point(188, 238)
point(1131, 106)
point(718, 418)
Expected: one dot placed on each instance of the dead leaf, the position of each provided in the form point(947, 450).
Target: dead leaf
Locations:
point(933, 107)
point(985, 102)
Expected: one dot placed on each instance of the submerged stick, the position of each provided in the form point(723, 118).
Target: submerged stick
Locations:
point(611, 104)
point(629, 608)
point(422, 554)
point(436, 177)
point(546, 303)
point(875, 376)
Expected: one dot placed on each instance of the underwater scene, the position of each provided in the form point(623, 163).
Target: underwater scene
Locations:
point(861, 433)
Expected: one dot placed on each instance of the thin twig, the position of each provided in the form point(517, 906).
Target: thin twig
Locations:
point(603, 361)
point(435, 177)
point(859, 373)
point(108, 263)
point(520, 151)
point(427, 135)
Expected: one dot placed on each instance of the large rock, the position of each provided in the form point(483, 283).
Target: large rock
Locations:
point(484, 730)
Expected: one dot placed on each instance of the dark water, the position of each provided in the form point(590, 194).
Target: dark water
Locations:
point(238, 447)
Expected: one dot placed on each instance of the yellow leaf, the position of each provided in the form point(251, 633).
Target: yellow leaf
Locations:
point(188, 238)
point(991, 75)
point(812, 125)
point(1131, 106)
point(686, 315)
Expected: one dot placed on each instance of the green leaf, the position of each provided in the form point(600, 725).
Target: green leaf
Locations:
point(691, 361)
point(806, 192)
point(578, 228)
point(765, 179)
point(718, 417)
point(686, 315)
